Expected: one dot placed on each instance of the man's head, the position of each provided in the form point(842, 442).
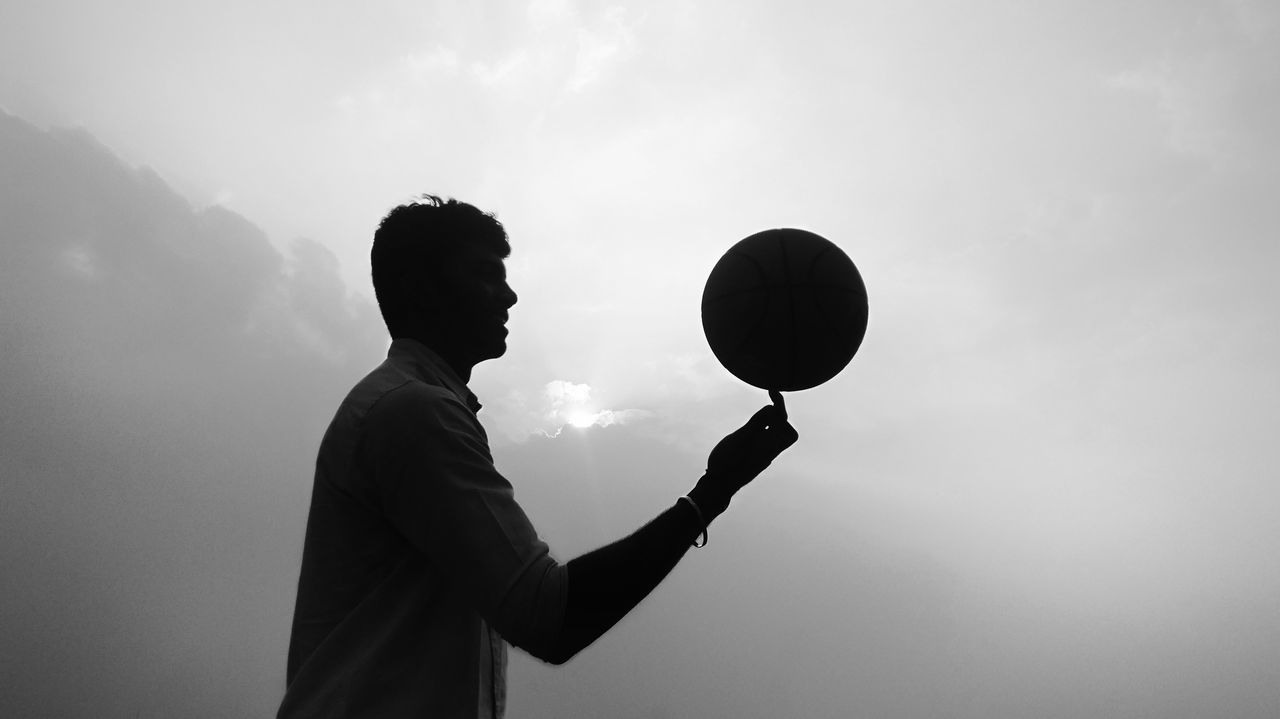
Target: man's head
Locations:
point(439, 278)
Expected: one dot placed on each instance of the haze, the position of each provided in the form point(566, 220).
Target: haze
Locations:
point(1045, 487)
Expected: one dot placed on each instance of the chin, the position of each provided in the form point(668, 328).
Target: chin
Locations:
point(490, 345)
point(493, 351)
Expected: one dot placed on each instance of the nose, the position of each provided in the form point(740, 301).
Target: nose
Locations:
point(509, 297)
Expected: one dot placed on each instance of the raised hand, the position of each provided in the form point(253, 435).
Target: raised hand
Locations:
point(742, 455)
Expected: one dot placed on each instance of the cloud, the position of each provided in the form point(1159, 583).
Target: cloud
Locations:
point(601, 47)
point(563, 393)
point(555, 48)
point(1217, 86)
point(423, 64)
point(510, 69)
point(560, 404)
point(167, 374)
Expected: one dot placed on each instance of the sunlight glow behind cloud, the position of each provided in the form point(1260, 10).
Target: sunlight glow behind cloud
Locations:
point(571, 404)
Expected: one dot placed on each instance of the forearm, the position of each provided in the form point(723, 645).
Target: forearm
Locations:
point(606, 584)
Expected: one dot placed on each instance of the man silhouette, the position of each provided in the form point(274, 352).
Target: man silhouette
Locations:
point(418, 565)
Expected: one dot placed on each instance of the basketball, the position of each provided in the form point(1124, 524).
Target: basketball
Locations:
point(784, 310)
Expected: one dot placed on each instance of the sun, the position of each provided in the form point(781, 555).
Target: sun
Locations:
point(580, 418)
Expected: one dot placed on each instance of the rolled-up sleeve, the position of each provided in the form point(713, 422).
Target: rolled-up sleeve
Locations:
point(436, 482)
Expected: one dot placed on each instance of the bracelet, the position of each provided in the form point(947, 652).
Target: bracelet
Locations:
point(698, 512)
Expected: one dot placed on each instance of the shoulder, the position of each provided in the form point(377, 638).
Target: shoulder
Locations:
point(419, 404)
point(422, 424)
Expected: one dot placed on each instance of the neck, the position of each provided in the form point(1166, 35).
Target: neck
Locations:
point(448, 352)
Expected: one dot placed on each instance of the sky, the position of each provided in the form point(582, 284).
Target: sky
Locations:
point(1045, 487)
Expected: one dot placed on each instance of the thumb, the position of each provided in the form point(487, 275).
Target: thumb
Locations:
point(764, 417)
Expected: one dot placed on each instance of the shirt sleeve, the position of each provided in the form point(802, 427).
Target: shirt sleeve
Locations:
point(437, 484)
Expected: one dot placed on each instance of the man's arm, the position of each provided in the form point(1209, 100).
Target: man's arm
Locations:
point(606, 584)
point(438, 487)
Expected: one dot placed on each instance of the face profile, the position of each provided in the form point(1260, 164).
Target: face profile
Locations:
point(475, 301)
point(439, 277)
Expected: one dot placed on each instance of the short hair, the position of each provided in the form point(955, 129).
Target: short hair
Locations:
point(418, 240)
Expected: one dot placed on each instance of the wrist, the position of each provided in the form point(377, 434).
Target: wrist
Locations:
point(713, 500)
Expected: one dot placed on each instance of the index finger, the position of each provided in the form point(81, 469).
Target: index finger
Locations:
point(778, 402)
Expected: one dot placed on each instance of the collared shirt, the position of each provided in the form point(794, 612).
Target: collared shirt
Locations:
point(417, 561)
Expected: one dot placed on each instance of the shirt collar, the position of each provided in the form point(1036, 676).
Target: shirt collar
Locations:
point(428, 365)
